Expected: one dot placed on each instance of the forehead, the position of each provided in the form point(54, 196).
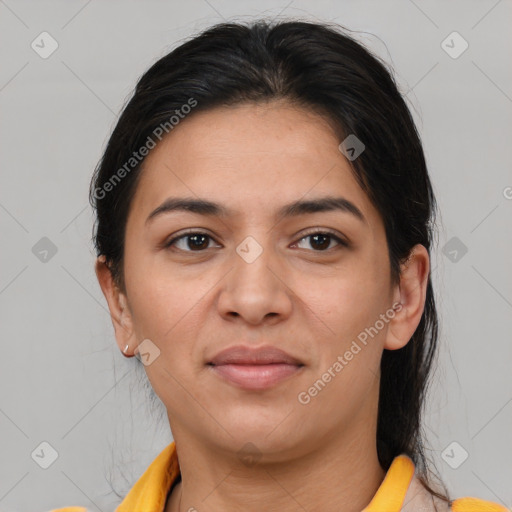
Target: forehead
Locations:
point(254, 158)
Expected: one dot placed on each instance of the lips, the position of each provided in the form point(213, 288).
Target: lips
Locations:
point(253, 356)
point(255, 369)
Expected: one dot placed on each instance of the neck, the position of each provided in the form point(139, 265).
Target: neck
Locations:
point(343, 474)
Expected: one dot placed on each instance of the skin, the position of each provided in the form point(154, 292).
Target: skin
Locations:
point(310, 302)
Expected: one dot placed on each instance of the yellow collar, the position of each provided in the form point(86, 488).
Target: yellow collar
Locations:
point(400, 491)
point(149, 493)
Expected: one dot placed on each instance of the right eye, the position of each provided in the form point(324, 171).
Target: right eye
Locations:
point(193, 241)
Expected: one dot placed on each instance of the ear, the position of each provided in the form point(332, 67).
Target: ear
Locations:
point(118, 306)
point(410, 295)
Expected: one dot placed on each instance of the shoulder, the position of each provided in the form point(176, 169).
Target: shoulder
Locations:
point(476, 505)
point(466, 504)
point(150, 490)
point(419, 499)
point(70, 509)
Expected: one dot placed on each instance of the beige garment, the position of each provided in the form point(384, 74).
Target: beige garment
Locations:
point(418, 499)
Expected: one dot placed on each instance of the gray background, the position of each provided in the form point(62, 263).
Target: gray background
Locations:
point(63, 379)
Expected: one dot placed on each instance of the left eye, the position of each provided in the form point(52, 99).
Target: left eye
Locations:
point(321, 240)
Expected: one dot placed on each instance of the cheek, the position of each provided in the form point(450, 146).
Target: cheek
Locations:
point(166, 311)
point(349, 357)
point(157, 299)
point(169, 309)
point(350, 300)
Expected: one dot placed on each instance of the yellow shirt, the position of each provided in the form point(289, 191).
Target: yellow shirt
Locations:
point(400, 491)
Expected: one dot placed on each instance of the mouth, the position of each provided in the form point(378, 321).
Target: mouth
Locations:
point(254, 369)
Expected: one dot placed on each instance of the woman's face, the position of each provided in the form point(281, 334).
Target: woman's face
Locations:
point(250, 273)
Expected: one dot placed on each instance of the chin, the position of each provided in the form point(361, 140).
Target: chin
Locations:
point(272, 433)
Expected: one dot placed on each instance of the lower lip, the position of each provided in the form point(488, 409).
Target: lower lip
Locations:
point(260, 376)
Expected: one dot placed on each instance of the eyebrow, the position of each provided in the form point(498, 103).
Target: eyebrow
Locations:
point(296, 208)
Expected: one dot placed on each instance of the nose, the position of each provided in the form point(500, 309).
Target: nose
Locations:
point(255, 290)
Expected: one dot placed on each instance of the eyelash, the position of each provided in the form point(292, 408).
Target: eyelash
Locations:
point(331, 234)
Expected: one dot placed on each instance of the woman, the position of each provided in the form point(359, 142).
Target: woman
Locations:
point(264, 225)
